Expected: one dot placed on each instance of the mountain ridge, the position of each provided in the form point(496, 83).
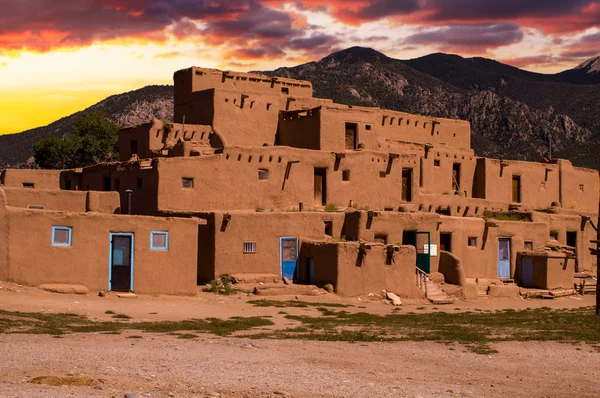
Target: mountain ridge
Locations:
point(513, 113)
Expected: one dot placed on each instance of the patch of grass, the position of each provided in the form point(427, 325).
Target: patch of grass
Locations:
point(64, 381)
point(135, 336)
point(109, 312)
point(187, 336)
point(296, 304)
point(507, 216)
point(122, 316)
point(330, 207)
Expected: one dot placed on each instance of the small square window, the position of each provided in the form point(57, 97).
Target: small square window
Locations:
point(249, 247)
point(36, 207)
point(472, 242)
point(328, 227)
point(345, 175)
point(436, 162)
point(28, 185)
point(61, 236)
point(554, 235)
point(581, 187)
point(368, 127)
point(528, 245)
point(382, 174)
point(381, 238)
point(159, 240)
point(187, 183)
point(263, 174)
point(139, 182)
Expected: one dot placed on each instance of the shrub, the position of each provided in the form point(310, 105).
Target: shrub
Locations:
point(330, 207)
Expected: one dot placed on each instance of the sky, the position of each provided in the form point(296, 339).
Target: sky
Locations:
point(61, 56)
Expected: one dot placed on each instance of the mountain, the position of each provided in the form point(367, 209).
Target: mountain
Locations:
point(513, 113)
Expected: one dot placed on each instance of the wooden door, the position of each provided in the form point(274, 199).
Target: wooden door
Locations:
point(504, 258)
point(516, 189)
point(407, 185)
point(351, 136)
point(320, 187)
point(121, 262)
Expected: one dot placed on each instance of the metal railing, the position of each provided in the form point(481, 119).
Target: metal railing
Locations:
point(421, 279)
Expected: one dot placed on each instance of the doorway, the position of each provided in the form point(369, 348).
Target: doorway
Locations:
point(320, 189)
point(120, 275)
point(446, 242)
point(504, 258)
point(422, 243)
point(351, 133)
point(289, 257)
point(456, 177)
point(572, 238)
point(527, 272)
point(516, 189)
point(407, 185)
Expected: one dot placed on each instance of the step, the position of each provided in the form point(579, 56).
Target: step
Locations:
point(442, 301)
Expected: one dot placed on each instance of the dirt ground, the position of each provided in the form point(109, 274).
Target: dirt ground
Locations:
point(159, 365)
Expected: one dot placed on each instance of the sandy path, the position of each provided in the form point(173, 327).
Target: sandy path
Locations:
point(159, 365)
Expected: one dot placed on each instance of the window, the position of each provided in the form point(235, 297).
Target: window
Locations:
point(368, 127)
point(61, 236)
point(68, 185)
point(139, 182)
point(249, 247)
point(554, 235)
point(472, 242)
point(581, 187)
point(134, 147)
point(187, 183)
point(263, 174)
point(159, 240)
point(382, 174)
point(36, 207)
point(328, 227)
point(436, 162)
point(381, 238)
point(106, 183)
point(528, 245)
point(285, 90)
point(28, 185)
point(345, 175)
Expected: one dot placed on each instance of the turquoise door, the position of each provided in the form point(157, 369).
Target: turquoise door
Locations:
point(289, 257)
point(504, 258)
point(422, 242)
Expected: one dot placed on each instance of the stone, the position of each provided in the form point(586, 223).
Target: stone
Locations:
point(315, 292)
point(101, 294)
point(64, 288)
point(469, 290)
point(393, 298)
point(329, 288)
point(131, 395)
point(286, 281)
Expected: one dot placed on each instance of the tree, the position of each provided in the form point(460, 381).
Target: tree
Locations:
point(94, 139)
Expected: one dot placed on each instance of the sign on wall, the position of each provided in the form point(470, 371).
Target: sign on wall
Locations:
point(430, 249)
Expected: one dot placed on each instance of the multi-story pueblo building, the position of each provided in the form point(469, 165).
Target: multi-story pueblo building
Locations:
point(255, 177)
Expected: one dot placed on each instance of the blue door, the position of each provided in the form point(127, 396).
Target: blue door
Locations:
point(289, 257)
point(504, 258)
point(527, 272)
point(120, 271)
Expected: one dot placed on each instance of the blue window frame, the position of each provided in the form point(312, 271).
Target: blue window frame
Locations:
point(159, 240)
point(62, 236)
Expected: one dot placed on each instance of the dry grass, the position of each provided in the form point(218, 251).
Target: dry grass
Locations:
point(64, 381)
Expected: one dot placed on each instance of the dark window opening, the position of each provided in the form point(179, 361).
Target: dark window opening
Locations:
point(139, 182)
point(528, 245)
point(328, 225)
point(446, 242)
point(263, 174)
point(117, 184)
point(106, 186)
point(68, 185)
point(28, 185)
point(368, 127)
point(134, 147)
point(572, 238)
point(516, 189)
point(285, 90)
point(436, 163)
point(187, 183)
point(345, 175)
point(472, 242)
point(554, 235)
point(407, 185)
point(381, 238)
point(351, 129)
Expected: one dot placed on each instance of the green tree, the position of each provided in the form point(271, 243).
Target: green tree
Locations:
point(94, 139)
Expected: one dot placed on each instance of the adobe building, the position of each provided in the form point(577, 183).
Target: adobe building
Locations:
point(257, 177)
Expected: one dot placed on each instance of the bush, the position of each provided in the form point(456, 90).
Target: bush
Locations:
point(223, 286)
point(330, 207)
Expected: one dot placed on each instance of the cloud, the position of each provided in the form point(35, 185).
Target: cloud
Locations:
point(587, 46)
point(169, 55)
point(471, 37)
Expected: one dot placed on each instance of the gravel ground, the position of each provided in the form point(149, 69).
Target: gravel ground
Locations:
point(161, 366)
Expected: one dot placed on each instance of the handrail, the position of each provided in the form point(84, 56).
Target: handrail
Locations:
point(421, 279)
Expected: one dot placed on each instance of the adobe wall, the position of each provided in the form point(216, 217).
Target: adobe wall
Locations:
point(195, 79)
point(3, 237)
point(42, 179)
point(143, 182)
point(230, 180)
point(563, 223)
point(34, 260)
point(579, 187)
point(393, 225)
point(550, 270)
point(266, 229)
point(75, 201)
point(300, 129)
point(438, 171)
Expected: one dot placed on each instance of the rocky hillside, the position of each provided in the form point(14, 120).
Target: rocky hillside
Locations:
point(513, 113)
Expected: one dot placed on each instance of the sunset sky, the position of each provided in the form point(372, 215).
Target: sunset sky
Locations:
point(61, 56)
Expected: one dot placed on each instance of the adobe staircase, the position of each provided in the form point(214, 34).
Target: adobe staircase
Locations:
point(432, 290)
